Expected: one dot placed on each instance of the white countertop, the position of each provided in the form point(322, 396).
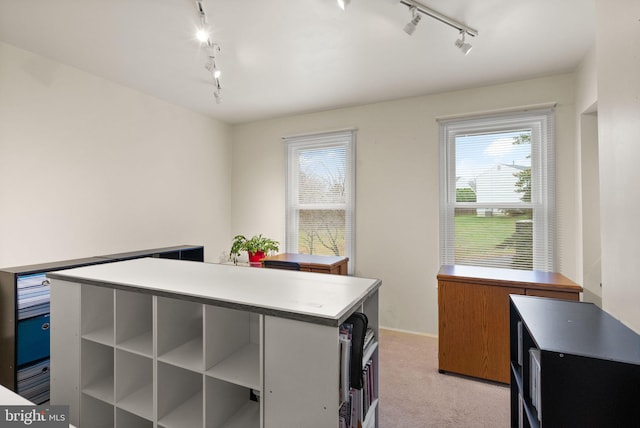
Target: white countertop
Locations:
point(10, 398)
point(311, 297)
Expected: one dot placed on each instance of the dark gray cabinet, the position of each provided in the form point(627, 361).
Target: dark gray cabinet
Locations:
point(25, 323)
point(572, 365)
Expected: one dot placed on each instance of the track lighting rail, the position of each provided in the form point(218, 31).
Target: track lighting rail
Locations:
point(440, 17)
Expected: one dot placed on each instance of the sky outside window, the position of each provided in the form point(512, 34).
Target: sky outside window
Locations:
point(479, 152)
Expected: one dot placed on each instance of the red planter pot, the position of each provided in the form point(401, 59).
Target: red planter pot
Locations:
point(256, 257)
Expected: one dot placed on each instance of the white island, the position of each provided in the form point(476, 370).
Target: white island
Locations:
point(167, 343)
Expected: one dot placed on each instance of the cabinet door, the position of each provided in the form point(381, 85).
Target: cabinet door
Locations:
point(301, 374)
point(474, 329)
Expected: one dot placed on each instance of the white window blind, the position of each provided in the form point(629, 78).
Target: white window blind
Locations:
point(497, 195)
point(321, 194)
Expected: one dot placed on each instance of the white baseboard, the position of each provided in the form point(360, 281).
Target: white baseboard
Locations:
point(434, 336)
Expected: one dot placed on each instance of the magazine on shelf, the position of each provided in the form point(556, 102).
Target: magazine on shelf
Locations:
point(534, 385)
point(357, 379)
point(345, 361)
point(368, 338)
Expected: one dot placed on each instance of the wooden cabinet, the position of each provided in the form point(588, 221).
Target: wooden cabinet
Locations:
point(473, 315)
point(337, 265)
point(157, 343)
point(572, 365)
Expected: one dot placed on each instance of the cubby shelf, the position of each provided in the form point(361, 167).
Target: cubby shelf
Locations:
point(134, 322)
point(572, 364)
point(182, 353)
point(186, 414)
point(97, 371)
point(247, 417)
point(138, 402)
point(25, 304)
point(134, 383)
point(125, 419)
point(180, 366)
point(241, 368)
point(103, 336)
point(188, 355)
point(96, 413)
point(101, 389)
point(141, 344)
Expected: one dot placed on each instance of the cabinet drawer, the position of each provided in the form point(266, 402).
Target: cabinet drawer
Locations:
point(566, 295)
point(33, 339)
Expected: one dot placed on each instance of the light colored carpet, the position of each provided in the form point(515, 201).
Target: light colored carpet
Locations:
point(414, 395)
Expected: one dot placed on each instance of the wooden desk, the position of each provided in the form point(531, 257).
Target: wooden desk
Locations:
point(473, 315)
point(336, 265)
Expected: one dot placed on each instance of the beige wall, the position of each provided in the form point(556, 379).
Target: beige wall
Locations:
point(89, 167)
point(618, 68)
point(590, 271)
point(397, 175)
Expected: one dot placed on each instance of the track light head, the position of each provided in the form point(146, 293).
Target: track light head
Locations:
point(217, 92)
point(462, 45)
point(211, 66)
point(201, 12)
point(415, 19)
point(212, 49)
point(343, 4)
point(202, 35)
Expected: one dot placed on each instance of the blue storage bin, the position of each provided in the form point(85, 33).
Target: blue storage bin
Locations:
point(33, 339)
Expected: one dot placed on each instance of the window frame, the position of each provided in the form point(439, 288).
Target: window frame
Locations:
point(543, 180)
point(293, 145)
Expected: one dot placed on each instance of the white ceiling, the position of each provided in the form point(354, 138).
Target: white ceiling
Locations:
point(283, 56)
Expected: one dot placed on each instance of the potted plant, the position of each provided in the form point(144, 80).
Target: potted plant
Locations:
point(257, 247)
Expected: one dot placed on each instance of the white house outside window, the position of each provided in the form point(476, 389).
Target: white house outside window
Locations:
point(497, 197)
point(320, 194)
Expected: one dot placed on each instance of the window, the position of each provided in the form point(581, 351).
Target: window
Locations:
point(497, 198)
point(320, 194)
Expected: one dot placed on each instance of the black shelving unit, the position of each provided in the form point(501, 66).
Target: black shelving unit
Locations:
point(25, 321)
point(180, 252)
point(572, 365)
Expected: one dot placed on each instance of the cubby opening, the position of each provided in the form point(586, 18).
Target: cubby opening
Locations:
point(370, 385)
point(95, 413)
point(179, 397)
point(229, 405)
point(125, 419)
point(134, 322)
point(232, 346)
point(134, 384)
point(179, 326)
point(97, 314)
point(97, 370)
